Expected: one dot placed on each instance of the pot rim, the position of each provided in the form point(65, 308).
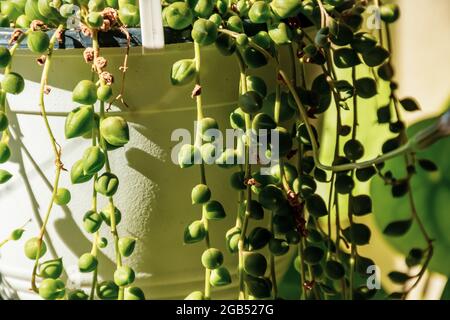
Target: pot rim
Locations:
point(74, 39)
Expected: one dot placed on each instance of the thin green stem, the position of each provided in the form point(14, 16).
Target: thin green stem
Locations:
point(56, 150)
point(242, 236)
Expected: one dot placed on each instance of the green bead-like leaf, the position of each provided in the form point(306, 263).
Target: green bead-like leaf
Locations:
point(194, 232)
point(361, 205)
point(85, 93)
point(375, 56)
point(93, 160)
point(204, 32)
point(220, 277)
point(398, 277)
point(334, 270)
point(258, 238)
point(212, 258)
point(183, 72)
point(214, 210)
point(126, 246)
point(255, 264)
point(358, 234)
point(313, 255)
point(51, 269)
point(409, 104)
point(398, 228)
point(79, 121)
point(200, 194)
point(92, 221)
point(316, 206)
point(5, 176)
point(271, 197)
point(107, 184)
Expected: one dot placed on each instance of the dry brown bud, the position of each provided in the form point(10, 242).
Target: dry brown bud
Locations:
point(108, 77)
point(88, 55)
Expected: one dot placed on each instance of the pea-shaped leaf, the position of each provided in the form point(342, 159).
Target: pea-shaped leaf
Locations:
point(93, 160)
point(259, 288)
point(363, 42)
point(255, 264)
point(410, 104)
point(200, 194)
point(5, 57)
point(85, 93)
point(358, 234)
point(259, 12)
point(187, 156)
point(87, 263)
point(92, 221)
point(196, 295)
point(52, 289)
point(414, 257)
point(316, 206)
point(346, 58)
point(361, 205)
point(107, 184)
point(79, 121)
point(366, 88)
point(232, 239)
point(225, 44)
point(312, 255)
point(285, 8)
point(204, 32)
point(271, 197)
point(212, 258)
point(334, 270)
point(115, 131)
point(126, 246)
point(398, 228)
point(254, 58)
point(398, 277)
point(178, 15)
point(341, 34)
point(214, 210)
point(278, 247)
point(220, 277)
point(428, 165)
point(5, 176)
point(124, 276)
point(250, 102)
point(77, 174)
point(107, 290)
point(194, 232)
point(51, 269)
point(354, 150)
point(280, 33)
point(106, 214)
point(183, 72)
point(13, 83)
point(255, 210)
point(38, 41)
point(258, 238)
point(375, 56)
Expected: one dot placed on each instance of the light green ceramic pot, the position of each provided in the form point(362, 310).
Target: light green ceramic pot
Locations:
point(154, 194)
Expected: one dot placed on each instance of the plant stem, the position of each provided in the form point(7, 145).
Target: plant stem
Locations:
point(56, 149)
point(198, 144)
point(241, 243)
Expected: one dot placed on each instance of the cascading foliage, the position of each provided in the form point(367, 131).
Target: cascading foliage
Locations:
point(328, 34)
point(89, 119)
point(331, 35)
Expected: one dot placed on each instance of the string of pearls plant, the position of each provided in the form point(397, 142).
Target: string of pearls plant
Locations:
point(256, 33)
point(300, 220)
